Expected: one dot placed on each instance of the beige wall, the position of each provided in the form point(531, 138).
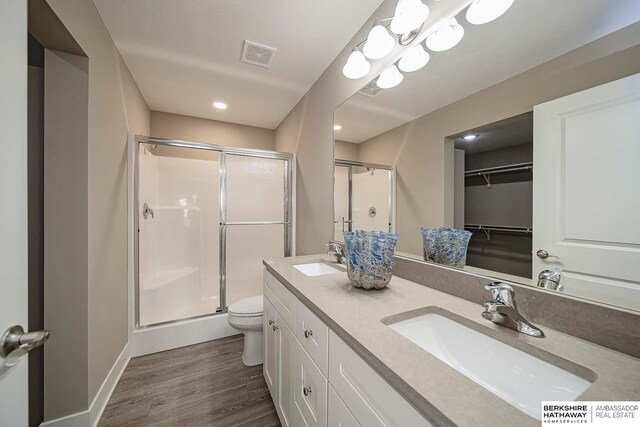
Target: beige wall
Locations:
point(175, 126)
point(344, 150)
point(66, 233)
point(425, 185)
point(308, 130)
point(115, 108)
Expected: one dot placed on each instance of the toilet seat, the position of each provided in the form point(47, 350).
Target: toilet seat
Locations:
point(248, 307)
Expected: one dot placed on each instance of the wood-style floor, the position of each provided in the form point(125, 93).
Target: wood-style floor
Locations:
point(200, 385)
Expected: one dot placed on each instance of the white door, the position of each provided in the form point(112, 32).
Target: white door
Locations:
point(13, 199)
point(586, 191)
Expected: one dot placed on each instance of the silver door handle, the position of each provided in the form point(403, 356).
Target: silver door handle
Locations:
point(15, 343)
point(543, 254)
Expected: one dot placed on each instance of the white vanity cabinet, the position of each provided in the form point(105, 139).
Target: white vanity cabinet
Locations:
point(315, 379)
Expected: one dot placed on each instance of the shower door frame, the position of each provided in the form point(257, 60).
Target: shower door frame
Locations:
point(350, 164)
point(223, 150)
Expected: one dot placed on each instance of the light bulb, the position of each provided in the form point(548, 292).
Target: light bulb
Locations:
point(410, 14)
point(357, 65)
point(483, 11)
point(414, 59)
point(389, 78)
point(446, 36)
point(379, 43)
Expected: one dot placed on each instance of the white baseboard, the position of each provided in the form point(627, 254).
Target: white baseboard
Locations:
point(91, 416)
point(179, 334)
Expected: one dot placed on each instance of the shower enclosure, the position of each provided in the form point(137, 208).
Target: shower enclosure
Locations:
point(364, 197)
point(207, 215)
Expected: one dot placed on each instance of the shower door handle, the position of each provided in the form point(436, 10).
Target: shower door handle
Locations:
point(146, 211)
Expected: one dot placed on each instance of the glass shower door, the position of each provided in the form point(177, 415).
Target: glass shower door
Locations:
point(254, 221)
point(341, 201)
point(178, 223)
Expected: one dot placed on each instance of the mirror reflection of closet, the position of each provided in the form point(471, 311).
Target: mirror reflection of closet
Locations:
point(493, 194)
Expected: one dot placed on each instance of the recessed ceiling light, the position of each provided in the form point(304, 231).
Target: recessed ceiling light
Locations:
point(337, 127)
point(220, 105)
point(470, 137)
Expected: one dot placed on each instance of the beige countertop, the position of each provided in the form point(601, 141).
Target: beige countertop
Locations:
point(442, 394)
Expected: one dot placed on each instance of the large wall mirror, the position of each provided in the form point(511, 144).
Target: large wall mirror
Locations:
point(514, 157)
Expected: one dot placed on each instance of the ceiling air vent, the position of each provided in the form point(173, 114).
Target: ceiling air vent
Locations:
point(258, 54)
point(370, 89)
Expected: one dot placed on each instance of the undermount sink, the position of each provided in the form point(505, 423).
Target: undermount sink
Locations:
point(522, 380)
point(318, 269)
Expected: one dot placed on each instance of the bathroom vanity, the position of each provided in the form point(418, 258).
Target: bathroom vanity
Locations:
point(339, 355)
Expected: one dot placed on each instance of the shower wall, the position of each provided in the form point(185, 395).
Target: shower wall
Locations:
point(179, 244)
point(370, 190)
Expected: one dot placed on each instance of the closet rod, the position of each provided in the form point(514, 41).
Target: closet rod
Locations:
point(500, 169)
point(499, 228)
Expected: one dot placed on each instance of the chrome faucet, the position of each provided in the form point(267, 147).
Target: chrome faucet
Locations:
point(335, 250)
point(502, 310)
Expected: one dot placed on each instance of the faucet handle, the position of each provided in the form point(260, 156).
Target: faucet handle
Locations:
point(502, 293)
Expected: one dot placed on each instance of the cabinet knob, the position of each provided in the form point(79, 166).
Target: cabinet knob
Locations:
point(308, 333)
point(306, 391)
point(270, 322)
point(275, 327)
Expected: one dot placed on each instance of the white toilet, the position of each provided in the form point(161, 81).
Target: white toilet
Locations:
point(246, 316)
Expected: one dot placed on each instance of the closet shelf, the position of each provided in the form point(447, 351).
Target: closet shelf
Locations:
point(500, 169)
point(498, 228)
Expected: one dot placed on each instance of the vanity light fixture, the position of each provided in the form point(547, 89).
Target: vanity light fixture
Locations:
point(470, 137)
point(337, 127)
point(483, 11)
point(414, 59)
point(390, 77)
point(379, 42)
point(445, 37)
point(357, 65)
point(409, 16)
point(220, 105)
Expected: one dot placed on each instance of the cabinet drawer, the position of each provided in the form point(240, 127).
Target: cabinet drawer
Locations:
point(371, 400)
point(309, 391)
point(281, 298)
point(338, 414)
point(313, 334)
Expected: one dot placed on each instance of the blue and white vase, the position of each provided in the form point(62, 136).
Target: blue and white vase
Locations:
point(370, 257)
point(446, 246)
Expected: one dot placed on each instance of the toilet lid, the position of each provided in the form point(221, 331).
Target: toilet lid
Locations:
point(248, 306)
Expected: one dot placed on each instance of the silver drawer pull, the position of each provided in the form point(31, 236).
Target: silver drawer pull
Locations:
point(308, 333)
point(306, 391)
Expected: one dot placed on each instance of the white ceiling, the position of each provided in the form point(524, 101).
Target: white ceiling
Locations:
point(530, 33)
point(186, 54)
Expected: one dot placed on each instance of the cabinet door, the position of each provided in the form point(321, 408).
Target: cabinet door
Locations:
point(270, 364)
point(339, 415)
point(309, 390)
point(286, 349)
point(371, 400)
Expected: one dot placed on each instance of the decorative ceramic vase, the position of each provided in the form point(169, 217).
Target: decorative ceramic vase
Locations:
point(446, 246)
point(370, 257)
